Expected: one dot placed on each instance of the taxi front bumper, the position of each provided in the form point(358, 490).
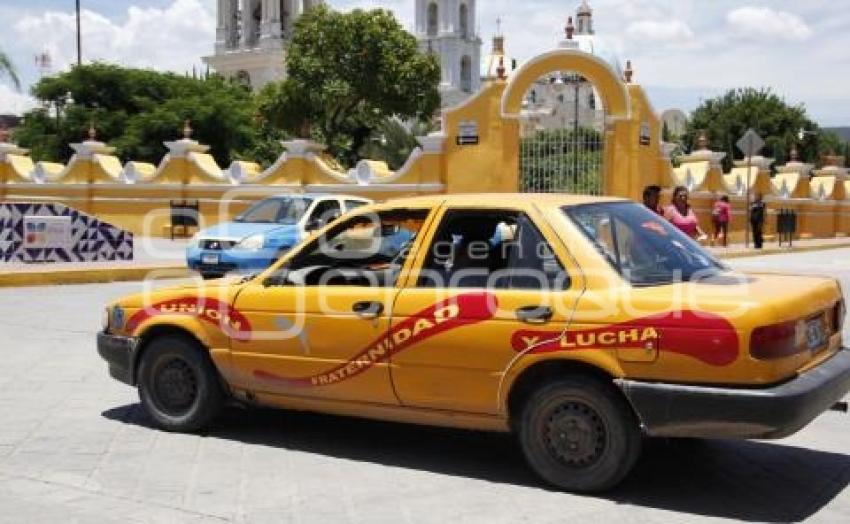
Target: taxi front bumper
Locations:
point(120, 353)
point(675, 410)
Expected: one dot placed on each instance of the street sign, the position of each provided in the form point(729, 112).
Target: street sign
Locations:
point(751, 143)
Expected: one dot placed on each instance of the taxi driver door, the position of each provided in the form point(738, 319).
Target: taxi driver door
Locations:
point(319, 321)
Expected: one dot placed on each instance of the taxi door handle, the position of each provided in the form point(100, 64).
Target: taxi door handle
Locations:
point(367, 309)
point(534, 314)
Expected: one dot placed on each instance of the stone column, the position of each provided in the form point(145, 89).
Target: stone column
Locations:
point(229, 10)
point(271, 29)
point(287, 18)
point(444, 23)
point(247, 23)
point(221, 25)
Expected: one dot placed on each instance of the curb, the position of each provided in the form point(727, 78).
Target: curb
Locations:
point(779, 251)
point(87, 276)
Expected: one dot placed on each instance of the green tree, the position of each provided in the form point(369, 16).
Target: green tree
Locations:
point(392, 142)
point(349, 73)
point(136, 110)
point(7, 68)
point(832, 143)
point(727, 117)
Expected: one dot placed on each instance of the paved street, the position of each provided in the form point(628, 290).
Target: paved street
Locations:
point(75, 447)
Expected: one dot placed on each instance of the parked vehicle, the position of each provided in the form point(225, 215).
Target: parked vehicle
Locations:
point(258, 237)
point(578, 323)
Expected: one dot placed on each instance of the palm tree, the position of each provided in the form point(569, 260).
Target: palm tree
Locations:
point(7, 68)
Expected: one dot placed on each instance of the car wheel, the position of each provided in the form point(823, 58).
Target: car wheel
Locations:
point(578, 434)
point(210, 276)
point(178, 384)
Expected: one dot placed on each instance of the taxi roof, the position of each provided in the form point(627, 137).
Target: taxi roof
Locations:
point(507, 199)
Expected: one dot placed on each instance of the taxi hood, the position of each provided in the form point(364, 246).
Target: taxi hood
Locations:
point(223, 289)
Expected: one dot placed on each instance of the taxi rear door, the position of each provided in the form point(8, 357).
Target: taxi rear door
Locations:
point(463, 329)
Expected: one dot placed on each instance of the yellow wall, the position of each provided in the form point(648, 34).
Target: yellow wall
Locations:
point(103, 187)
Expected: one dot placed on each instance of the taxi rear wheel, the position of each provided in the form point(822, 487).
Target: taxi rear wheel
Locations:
point(178, 385)
point(578, 434)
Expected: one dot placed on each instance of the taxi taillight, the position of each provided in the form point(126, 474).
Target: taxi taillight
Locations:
point(775, 341)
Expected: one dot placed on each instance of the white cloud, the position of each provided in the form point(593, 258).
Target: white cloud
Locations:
point(14, 102)
point(763, 22)
point(672, 31)
point(173, 38)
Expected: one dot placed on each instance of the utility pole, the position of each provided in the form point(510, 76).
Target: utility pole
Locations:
point(79, 38)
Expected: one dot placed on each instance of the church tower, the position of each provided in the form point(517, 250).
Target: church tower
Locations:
point(252, 37)
point(446, 28)
point(584, 19)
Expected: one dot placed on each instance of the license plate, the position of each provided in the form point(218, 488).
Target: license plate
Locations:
point(210, 260)
point(815, 334)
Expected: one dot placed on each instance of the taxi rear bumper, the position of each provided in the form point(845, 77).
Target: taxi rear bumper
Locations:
point(676, 410)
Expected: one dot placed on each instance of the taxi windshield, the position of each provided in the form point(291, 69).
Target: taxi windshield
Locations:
point(643, 247)
point(275, 211)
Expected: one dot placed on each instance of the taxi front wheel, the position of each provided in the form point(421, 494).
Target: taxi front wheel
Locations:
point(578, 434)
point(178, 385)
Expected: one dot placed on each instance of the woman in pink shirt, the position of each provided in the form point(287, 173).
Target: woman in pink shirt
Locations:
point(720, 216)
point(681, 214)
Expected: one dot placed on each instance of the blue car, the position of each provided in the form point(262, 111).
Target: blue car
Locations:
point(258, 237)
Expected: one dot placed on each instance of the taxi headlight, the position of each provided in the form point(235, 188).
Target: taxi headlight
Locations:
point(253, 242)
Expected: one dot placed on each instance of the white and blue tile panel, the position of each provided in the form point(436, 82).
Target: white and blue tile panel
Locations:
point(92, 240)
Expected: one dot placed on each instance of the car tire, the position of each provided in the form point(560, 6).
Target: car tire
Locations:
point(178, 385)
point(211, 276)
point(579, 434)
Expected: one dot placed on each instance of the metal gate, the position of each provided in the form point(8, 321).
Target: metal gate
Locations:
point(562, 140)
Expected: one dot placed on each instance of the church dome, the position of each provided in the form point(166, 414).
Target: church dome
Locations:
point(600, 48)
point(584, 9)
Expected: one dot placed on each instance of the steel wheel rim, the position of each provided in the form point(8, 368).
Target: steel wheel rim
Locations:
point(575, 434)
point(175, 386)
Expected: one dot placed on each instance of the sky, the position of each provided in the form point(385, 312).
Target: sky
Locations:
point(682, 51)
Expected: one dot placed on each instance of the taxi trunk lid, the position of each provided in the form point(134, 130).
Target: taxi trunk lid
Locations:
point(789, 320)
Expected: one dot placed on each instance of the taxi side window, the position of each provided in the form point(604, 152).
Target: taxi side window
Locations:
point(324, 213)
point(363, 250)
point(491, 249)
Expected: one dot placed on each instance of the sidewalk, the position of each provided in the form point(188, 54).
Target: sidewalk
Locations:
point(772, 248)
point(166, 259)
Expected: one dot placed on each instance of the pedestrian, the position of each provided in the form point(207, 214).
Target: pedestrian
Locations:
point(720, 216)
point(757, 212)
point(652, 199)
point(681, 214)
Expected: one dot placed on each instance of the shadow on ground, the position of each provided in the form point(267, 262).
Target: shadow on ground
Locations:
point(751, 481)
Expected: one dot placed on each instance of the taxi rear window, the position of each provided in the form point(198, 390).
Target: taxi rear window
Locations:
point(643, 247)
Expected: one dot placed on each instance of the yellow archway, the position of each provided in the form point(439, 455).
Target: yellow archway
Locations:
point(595, 70)
point(482, 135)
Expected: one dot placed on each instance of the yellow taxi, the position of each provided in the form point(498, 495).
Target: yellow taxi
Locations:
point(578, 323)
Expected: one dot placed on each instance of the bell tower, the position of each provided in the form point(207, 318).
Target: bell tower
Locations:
point(584, 19)
point(252, 37)
point(446, 28)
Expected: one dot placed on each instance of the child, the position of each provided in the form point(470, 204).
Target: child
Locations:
point(720, 216)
